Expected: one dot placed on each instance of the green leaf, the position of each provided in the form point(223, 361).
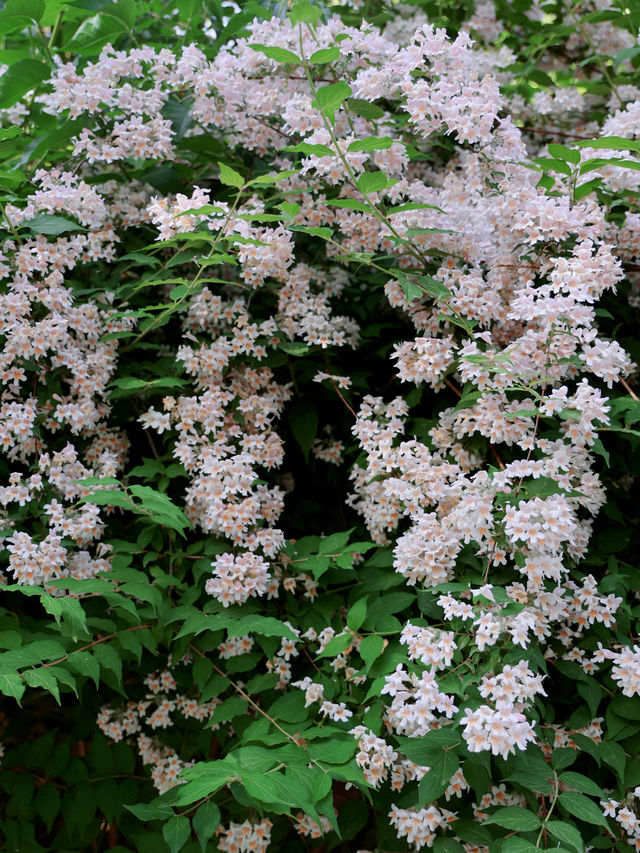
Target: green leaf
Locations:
point(314, 150)
point(20, 14)
point(278, 54)
point(11, 684)
point(349, 204)
point(515, 818)
point(565, 832)
point(581, 807)
point(445, 765)
point(303, 421)
point(336, 646)
point(371, 648)
point(372, 182)
point(357, 614)
point(296, 348)
point(331, 97)
point(96, 32)
point(109, 659)
point(430, 788)
point(175, 832)
point(230, 708)
point(44, 678)
point(613, 143)
point(229, 177)
point(266, 626)
point(304, 13)
point(613, 755)
point(155, 810)
point(85, 664)
point(582, 783)
point(68, 608)
point(327, 54)
point(50, 223)
point(20, 78)
point(335, 543)
point(336, 749)
point(205, 822)
point(515, 844)
point(561, 152)
point(373, 143)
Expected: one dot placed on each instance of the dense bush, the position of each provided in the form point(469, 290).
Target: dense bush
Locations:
point(319, 432)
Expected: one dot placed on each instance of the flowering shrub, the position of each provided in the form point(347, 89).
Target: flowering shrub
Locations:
point(318, 426)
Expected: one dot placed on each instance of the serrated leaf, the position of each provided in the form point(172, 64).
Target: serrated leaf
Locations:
point(11, 684)
point(229, 176)
point(44, 678)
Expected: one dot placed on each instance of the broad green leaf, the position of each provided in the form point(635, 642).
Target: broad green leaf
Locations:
point(96, 32)
point(68, 608)
point(109, 659)
point(86, 664)
point(335, 543)
point(278, 54)
point(372, 182)
point(205, 822)
point(613, 755)
point(373, 143)
point(303, 421)
point(45, 678)
point(230, 177)
point(565, 832)
point(175, 832)
point(430, 788)
point(581, 807)
point(561, 152)
point(329, 98)
point(349, 204)
point(20, 14)
point(336, 646)
point(515, 818)
point(315, 150)
point(357, 614)
point(326, 54)
point(155, 810)
point(515, 844)
point(371, 648)
point(11, 684)
point(51, 224)
point(613, 143)
point(582, 783)
point(20, 78)
point(304, 12)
